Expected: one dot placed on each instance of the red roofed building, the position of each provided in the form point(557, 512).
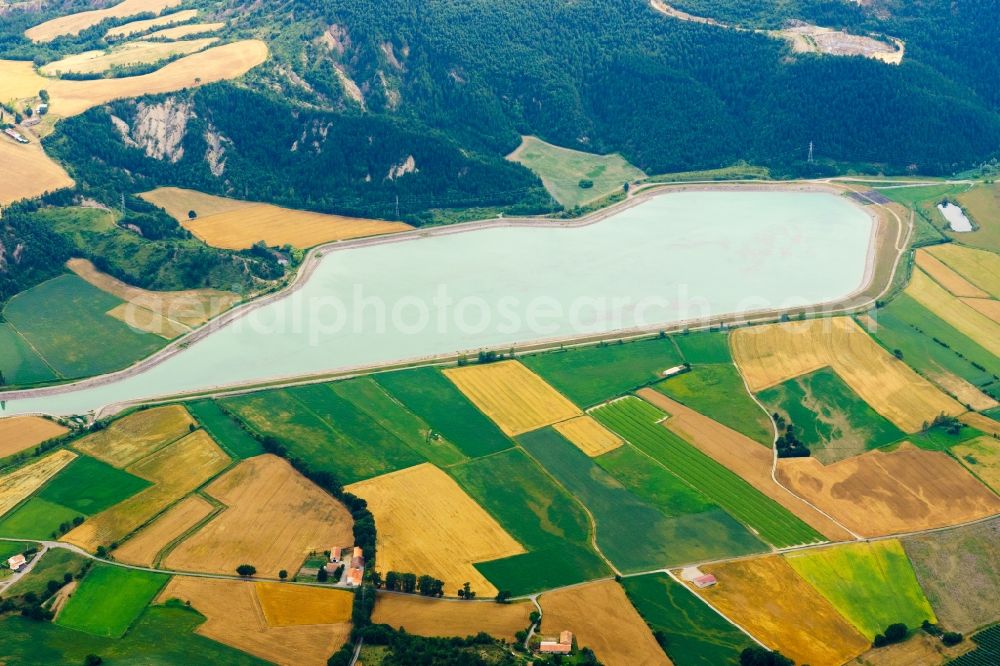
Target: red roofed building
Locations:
point(15, 563)
point(563, 646)
point(335, 554)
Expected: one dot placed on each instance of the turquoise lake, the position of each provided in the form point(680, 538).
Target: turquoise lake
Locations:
point(676, 257)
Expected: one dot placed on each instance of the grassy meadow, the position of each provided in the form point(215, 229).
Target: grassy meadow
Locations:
point(871, 584)
point(540, 514)
point(90, 486)
point(590, 375)
point(36, 519)
point(434, 399)
point(236, 441)
point(110, 599)
point(562, 169)
point(19, 363)
point(717, 391)
point(64, 320)
point(631, 532)
point(829, 418)
point(637, 422)
point(696, 635)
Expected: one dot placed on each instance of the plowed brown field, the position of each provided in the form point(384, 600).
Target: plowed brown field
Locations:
point(879, 493)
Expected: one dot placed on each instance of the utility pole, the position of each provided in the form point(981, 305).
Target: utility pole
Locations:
point(810, 152)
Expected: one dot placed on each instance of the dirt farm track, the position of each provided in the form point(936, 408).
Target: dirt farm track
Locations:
point(889, 240)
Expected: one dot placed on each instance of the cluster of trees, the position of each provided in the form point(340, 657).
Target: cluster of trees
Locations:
point(405, 649)
point(949, 638)
point(759, 656)
point(788, 443)
point(29, 251)
point(894, 633)
point(410, 583)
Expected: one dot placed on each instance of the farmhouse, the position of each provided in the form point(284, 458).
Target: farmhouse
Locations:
point(335, 554)
point(698, 577)
point(676, 370)
point(563, 646)
point(15, 563)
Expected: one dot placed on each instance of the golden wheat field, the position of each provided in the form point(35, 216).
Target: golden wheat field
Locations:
point(18, 80)
point(601, 618)
point(946, 277)
point(424, 616)
point(770, 354)
point(181, 31)
point(982, 457)
point(136, 435)
point(143, 548)
point(879, 493)
point(73, 24)
point(454, 531)
point(235, 225)
point(16, 486)
point(188, 308)
point(287, 605)
point(234, 617)
point(175, 471)
point(513, 396)
point(138, 27)
point(965, 392)
point(766, 597)
point(131, 53)
point(25, 170)
point(980, 267)
point(965, 319)
point(981, 422)
point(22, 432)
point(274, 518)
point(588, 435)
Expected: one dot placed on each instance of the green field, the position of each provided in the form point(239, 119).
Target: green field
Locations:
point(110, 599)
point(929, 223)
point(636, 421)
point(829, 417)
point(64, 320)
point(632, 533)
point(717, 391)
point(18, 362)
point(36, 519)
point(54, 565)
point(236, 441)
point(871, 584)
point(929, 344)
point(429, 395)
point(562, 169)
point(695, 634)
point(982, 204)
point(652, 482)
point(371, 399)
point(939, 438)
point(541, 515)
point(325, 431)
point(162, 635)
point(11, 548)
point(589, 375)
point(704, 348)
point(89, 486)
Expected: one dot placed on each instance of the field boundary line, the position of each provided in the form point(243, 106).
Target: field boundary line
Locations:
point(717, 611)
point(32, 347)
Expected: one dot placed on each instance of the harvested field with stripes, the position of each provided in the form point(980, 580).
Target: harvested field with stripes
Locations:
point(18, 79)
point(23, 432)
point(138, 27)
point(274, 518)
point(588, 435)
point(767, 598)
point(175, 471)
point(143, 548)
point(770, 354)
point(235, 618)
point(741, 455)
point(18, 485)
point(237, 225)
point(602, 618)
point(946, 277)
point(881, 493)
point(25, 170)
point(980, 267)
point(515, 398)
point(981, 456)
point(977, 326)
point(441, 617)
point(73, 24)
point(130, 53)
point(137, 435)
point(454, 532)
